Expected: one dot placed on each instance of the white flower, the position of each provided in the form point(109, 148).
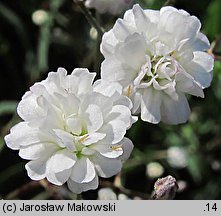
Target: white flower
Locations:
point(71, 132)
point(177, 157)
point(154, 170)
point(158, 57)
point(106, 194)
point(112, 6)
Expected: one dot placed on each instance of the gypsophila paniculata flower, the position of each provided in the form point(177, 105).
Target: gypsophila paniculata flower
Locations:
point(158, 57)
point(72, 132)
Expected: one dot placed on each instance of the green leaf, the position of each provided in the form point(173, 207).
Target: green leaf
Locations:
point(194, 167)
point(14, 20)
point(191, 137)
point(7, 107)
point(213, 26)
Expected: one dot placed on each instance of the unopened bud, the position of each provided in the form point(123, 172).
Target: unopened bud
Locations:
point(39, 17)
point(165, 188)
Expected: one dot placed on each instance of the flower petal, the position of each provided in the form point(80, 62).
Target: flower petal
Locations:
point(59, 167)
point(61, 160)
point(127, 147)
point(188, 84)
point(106, 167)
point(93, 138)
point(180, 24)
point(22, 135)
point(36, 151)
point(201, 76)
point(119, 112)
point(143, 22)
point(107, 88)
point(114, 130)
point(64, 139)
point(109, 151)
point(94, 118)
point(205, 60)
point(83, 171)
point(109, 41)
point(150, 105)
point(58, 178)
point(81, 187)
point(202, 42)
point(74, 124)
point(63, 176)
point(135, 59)
point(29, 109)
point(36, 169)
point(114, 71)
point(121, 30)
point(175, 112)
point(85, 79)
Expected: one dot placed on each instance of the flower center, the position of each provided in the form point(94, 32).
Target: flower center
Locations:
point(80, 148)
point(158, 71)
point(79, 134)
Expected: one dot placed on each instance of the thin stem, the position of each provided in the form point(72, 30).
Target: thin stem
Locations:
point(92, 21)
point(55, 191)
point(214, 47)
point(170, 2)
point(217, 43)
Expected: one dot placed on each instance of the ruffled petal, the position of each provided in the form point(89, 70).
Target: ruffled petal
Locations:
point(150, 105)
point(109, 151)
point(30, 107)
point(85, 79)
point(119, 112)
point(135, 59)
point(127, 147)
point(113, 71)
point(81, 187)
point(93, 138)
point(74, 125)
point(61, 160)
point(107, 88)
point(64, 139)
point(114, 130)
point(109, 41)
point(175, 112)
point(22, 135)
point(83, 171)
point(36, 169)
point(94, 118)
point(106, 167)
point(37, 151)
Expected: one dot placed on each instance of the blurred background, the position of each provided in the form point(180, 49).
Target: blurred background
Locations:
point(39, 36)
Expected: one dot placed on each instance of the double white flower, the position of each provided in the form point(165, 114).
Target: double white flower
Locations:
point(111, 6)
point(71, 132)
point(158, 57)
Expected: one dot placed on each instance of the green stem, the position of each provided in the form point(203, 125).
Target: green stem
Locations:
point(92, 21)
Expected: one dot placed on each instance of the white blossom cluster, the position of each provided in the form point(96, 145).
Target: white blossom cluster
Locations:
point(71, 132)
point(158, 57)
point(73, 128)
